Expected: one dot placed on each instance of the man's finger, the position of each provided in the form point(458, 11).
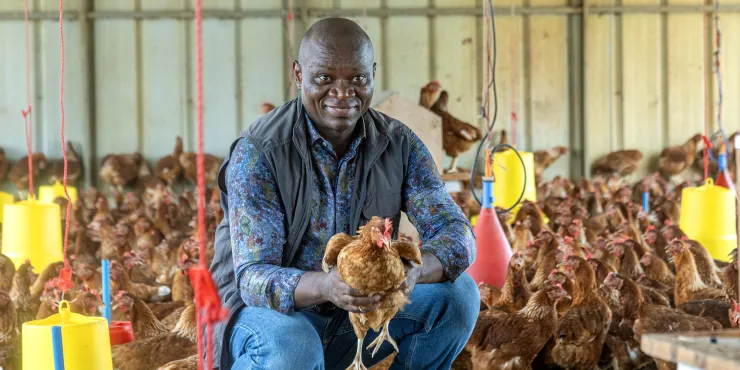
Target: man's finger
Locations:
point(362, 301)
point(361, 309)
point(354, 292)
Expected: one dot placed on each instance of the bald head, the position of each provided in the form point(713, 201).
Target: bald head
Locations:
point(335, 35)
point(335, 71)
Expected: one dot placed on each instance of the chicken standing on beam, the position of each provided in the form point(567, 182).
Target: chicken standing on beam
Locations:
point(372, 264)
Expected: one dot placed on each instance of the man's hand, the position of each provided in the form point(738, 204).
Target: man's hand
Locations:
point(412, 277)
point(335, 290)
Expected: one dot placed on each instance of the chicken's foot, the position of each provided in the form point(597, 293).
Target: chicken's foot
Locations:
point(382, 337)
point(357, 363)
point(453, 166)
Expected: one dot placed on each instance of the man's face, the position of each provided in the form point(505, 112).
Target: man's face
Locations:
point(336, 83)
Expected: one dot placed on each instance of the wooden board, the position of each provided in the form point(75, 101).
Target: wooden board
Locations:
point(696, 349)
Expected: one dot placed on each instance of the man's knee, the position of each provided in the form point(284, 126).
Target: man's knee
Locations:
point(461, 301)
point(277, 341)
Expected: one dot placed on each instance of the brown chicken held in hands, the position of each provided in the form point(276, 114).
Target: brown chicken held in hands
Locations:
point(457, 136)
point(674, 160)
point(511, 341)
point(372, 264)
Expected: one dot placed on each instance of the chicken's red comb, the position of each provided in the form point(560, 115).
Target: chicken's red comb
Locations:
point(735, 306)
point(650, 227)
point(388, 228)
point(590, 255)
point(668, 223)
point(684, 238)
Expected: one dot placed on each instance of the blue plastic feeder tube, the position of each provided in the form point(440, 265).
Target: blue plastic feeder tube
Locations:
point(645, 203)
point(106, 289)
point(487, 196)
point(56, 344)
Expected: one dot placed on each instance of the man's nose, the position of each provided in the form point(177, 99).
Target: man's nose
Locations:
point(343, 89)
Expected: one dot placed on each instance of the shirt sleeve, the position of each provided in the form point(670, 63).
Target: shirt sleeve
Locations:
point(443, 228)
point(256, 220)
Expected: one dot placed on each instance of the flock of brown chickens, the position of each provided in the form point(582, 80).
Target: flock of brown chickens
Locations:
point(583, 289)
point(580, 290)
point(149, 236)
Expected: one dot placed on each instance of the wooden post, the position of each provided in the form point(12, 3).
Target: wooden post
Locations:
point(737, 198)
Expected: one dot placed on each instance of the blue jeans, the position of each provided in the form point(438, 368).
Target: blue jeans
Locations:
point(430, 332)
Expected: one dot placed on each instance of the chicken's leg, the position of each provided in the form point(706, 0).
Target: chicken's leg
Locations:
point(453, 166)
point(357, 363)
point(382, 337)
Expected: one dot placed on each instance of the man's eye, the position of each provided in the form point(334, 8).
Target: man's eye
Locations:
point(323, 78)
point(360, 79)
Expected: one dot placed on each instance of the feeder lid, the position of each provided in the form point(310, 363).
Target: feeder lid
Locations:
point(48, 193)
point(65, 317)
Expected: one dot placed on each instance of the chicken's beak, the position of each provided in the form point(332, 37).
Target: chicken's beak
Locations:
point(387, 242)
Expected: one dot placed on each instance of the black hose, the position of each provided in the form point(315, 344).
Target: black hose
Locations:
point(490, 127)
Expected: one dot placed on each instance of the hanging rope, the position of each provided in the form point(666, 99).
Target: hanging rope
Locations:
point(64, 282)
point(290, 23)
point(514, 80)
point(207, 301)
point(26, 113)
point(705, 138)
point(717, 72)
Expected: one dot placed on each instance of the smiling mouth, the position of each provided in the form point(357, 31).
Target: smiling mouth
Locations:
point(340, 111)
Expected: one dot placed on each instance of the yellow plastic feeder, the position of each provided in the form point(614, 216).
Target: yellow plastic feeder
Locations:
point(85, 342)
point(5, 198)
point(47, 194)
point(32, 231)
point(509, 175)
point(708, 216)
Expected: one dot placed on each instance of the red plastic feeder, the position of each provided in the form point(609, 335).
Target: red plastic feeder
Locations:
point(121, 332)
point(492, 248)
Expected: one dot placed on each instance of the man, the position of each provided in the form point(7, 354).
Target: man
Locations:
point(319, 165)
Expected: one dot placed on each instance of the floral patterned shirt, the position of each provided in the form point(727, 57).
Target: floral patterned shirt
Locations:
point(256, 217)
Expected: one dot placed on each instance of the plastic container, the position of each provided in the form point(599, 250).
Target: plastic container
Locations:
point(48, 193)
point(509, 175)
point(33, 231)
point(708, 216)
point(5, 198)
point(121, 332)
point(85, 342)
point(492, 248)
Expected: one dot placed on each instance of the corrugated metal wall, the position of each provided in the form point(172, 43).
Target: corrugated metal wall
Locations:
point(594, 82)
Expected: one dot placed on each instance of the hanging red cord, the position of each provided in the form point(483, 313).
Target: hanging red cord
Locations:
point(207, 301)
point(26, 113)
point(707, 143)
point(64, 282)
point(514, 81)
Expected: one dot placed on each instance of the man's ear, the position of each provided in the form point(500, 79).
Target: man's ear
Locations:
point(297, 74)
